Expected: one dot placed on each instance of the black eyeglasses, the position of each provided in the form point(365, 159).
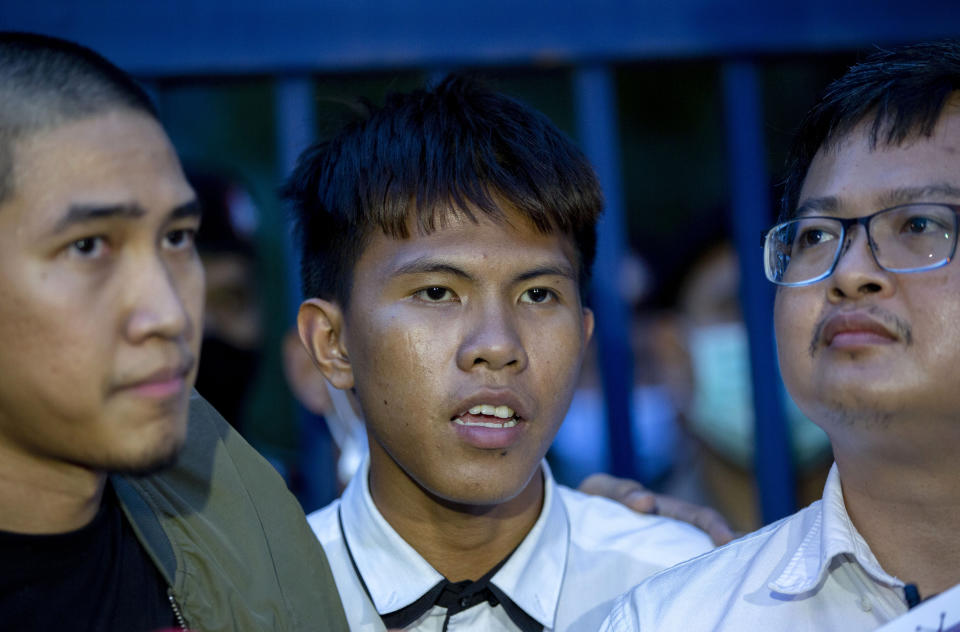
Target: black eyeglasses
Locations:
point(905, 238)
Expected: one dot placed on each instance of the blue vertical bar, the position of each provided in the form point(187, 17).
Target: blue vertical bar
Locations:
point(596, 110)
point(295, 130)
point(751, 213)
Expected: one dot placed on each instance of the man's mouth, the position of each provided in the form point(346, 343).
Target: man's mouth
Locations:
point(862, 327)
point(162, 382)
point(488, 416)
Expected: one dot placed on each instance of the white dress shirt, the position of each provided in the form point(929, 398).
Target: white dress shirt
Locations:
point(581, 553)
point(809, 571)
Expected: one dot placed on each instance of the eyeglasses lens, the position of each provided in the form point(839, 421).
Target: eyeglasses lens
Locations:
point(906, 238)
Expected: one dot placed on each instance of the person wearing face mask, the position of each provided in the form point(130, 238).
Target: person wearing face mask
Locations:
point(582, 445)
point(706, 360)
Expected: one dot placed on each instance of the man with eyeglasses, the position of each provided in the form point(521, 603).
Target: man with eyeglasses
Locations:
point(867, 318)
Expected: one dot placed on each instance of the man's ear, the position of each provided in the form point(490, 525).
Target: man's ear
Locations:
point(320, 324)
point(304, 379)
point(588, 322)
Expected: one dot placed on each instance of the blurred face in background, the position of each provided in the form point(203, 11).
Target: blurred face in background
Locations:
point(707, 355)
point(233, 318)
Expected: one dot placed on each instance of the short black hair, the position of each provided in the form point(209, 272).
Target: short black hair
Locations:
point(458, 146)
point(903, 89)
point(46, 81)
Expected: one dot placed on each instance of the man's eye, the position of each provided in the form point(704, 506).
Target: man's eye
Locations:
point(180, 238)
point(88, 247)
point(813, 237)
point(919, 225)
point(435, 294)
point(537, 295)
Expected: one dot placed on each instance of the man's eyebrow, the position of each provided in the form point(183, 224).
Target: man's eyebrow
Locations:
point(811, 206)
point(426, 265)
point(929, 193)
point(193, 208)
point(432, 266)
point(82, 213)
point(548, 270)
point(904, 195)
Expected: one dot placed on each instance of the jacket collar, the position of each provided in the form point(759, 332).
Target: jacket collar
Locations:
point(146, 526)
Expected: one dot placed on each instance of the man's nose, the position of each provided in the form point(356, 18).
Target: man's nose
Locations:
point(157, 305)
point(492, 340)
point(857, 272)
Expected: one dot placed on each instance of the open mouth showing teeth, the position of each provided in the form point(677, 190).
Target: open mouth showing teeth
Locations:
point(488, 416)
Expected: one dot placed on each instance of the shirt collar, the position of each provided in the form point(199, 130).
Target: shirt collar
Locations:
point(396, 575)
point(392, 570)
point(831, 534)
point(533, 576)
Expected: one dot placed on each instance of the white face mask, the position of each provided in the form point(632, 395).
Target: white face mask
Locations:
point(721, 412)
point(348, 433)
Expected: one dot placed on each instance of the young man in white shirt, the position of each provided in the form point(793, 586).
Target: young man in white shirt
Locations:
point(866, 315)
point(446, 239)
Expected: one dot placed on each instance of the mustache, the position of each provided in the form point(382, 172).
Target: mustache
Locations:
point(897, 324)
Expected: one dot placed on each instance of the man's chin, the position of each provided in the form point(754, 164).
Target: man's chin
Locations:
point(147, 463)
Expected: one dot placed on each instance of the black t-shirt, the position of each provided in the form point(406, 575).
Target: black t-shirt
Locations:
point(97, 578)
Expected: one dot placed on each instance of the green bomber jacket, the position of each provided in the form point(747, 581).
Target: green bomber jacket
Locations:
point(229, 538)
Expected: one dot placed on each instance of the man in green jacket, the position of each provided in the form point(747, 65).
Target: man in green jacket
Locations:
point(116, 513)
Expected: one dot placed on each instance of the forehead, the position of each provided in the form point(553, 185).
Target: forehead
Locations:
point(118, 157)
point(855, 173)
point(711, 290)
point(484, 248)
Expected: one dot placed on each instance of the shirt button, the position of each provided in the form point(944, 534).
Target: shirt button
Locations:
point(865, 604)
point(463, 602)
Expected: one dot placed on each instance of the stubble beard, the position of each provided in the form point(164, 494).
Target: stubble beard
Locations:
point(150, 463)
point(152, 458)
